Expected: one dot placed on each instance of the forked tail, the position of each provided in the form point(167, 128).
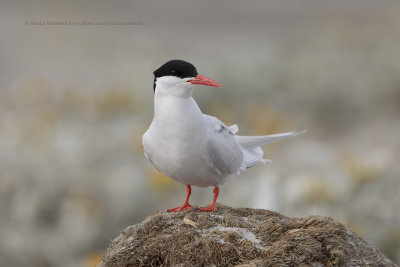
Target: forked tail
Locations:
point(252, 151)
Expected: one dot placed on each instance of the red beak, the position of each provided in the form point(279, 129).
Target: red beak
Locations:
point(200, 79)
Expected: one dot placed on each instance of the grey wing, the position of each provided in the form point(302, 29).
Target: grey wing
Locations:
point(225, 154)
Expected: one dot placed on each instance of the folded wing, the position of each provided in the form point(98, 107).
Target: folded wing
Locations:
point(230, 153)
point(225, 154)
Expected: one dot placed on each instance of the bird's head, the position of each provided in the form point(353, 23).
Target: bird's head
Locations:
point(177, 77)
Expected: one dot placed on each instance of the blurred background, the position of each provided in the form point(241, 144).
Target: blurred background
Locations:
point(76, 98)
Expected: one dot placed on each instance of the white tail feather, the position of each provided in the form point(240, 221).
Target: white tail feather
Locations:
point(254, 141)
point(252, 152)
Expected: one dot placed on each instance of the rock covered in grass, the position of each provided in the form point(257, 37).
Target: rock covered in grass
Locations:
point(247, 237)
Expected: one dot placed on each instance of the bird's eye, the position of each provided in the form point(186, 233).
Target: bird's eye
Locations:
point(173, 72)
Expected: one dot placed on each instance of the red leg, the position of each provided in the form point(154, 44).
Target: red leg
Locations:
point(212, 206)
point(186, 204)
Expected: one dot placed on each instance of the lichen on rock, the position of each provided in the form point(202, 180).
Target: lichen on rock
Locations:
point(243, 236)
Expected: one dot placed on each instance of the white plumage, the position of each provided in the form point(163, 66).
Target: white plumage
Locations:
point(193, 148)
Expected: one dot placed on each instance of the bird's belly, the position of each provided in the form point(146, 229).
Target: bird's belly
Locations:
point(180, 159)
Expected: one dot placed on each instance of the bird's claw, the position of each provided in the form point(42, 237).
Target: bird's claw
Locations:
point(209, 209)
point(185, 206)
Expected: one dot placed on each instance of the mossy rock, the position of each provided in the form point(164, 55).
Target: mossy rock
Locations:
point(240, 237)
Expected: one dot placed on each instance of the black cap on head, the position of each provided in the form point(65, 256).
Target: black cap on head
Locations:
point(177, 68)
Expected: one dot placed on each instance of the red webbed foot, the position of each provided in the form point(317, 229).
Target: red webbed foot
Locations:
point(209, 209)
point(185, 206)
point(212, 206)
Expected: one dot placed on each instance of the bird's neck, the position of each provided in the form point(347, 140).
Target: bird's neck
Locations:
point(173, 107)
point(174, 102)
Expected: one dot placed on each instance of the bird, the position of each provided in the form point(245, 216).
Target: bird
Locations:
point(193, 148)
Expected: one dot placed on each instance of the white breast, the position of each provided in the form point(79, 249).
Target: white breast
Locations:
point(176, 142)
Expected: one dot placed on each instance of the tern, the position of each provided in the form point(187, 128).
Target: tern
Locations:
point(193, 148)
